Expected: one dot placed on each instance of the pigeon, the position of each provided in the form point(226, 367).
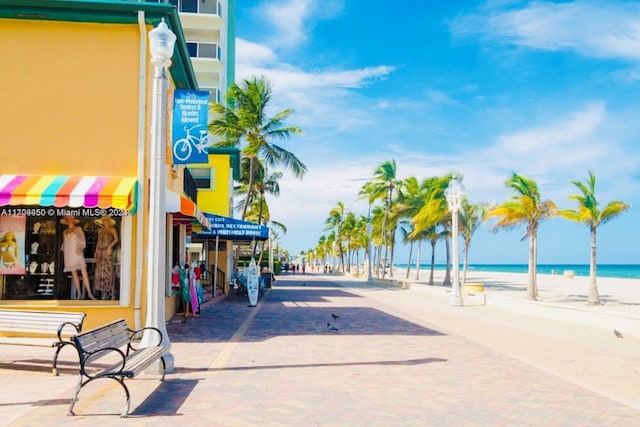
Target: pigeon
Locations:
point(335, 316)
point(331, 327)
point(617, 333)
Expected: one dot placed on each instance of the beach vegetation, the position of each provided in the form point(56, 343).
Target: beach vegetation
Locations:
point(244, 122)
point(590, 214)
point(471, 218)
point(434, 215)
point(383, 187)
point(525, 207)
point(335, 222)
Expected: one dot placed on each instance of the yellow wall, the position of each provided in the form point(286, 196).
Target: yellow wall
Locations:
point(70, 106)
point(69, 97)
point(216, 201)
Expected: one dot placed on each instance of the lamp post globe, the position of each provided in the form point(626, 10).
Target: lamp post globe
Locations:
point(161, 43)
point(454, 195)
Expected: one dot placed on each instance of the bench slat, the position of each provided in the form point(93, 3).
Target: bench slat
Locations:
point(138, 361)
point(115, 334)
point(39, 322)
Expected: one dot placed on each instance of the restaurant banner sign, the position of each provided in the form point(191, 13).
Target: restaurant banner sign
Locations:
point(233, 229)
point(189, 127)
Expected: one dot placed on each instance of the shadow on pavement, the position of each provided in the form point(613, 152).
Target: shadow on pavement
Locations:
point(292, 309)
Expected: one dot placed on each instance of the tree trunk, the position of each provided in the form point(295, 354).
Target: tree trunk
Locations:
point(409, 262)
point(418, 260)
point(433, 262)
point(393, 248)
point(247, 200)
point(531, 283)
point(465, 262)
point(594, 298)
point(447, 274)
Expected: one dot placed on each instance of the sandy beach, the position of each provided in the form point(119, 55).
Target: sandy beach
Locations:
point(618, 294)
point(560, 298)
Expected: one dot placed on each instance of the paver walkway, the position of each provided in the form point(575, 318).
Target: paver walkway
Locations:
point(398, 358)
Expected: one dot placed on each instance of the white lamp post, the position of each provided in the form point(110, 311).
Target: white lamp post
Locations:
point(454, 194)
point(161, 42)
point(369, 234)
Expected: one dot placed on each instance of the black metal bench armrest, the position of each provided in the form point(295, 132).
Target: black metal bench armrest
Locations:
point(115, 369)
point(63, 325)
point(136, 333)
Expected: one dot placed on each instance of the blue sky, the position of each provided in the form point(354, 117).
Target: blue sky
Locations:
point(546, 89)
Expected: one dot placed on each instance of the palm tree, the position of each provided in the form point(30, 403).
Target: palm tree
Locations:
point(265, 182)
point(382, 187)
point(525, 207)
point(434, 215)
point(471, 217)
point(589, 214)
point(246, 122)
point(335, 222)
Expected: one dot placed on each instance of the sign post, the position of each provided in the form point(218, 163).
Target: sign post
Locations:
point(252, 283)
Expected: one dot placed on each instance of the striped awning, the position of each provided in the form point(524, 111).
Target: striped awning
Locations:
point(182, 207)
point(72, 191)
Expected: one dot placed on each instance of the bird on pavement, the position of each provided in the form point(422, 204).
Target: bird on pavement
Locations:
point(617, 333)
point(331, 327)
point(334, 316)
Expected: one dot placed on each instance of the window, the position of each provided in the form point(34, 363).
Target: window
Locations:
point(203, 50)
point(198, 6)
point(214, 94)
point(48, 245)
point(204, 177)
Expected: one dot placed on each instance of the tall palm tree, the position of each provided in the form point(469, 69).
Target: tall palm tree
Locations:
point(335, 222)
point(245, 123)
point(589, 214)
point(265, 182)
point(525, 207)
point(434, 215)
point(383, 185)
point(471, 219)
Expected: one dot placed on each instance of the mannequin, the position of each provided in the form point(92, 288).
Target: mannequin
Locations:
point(73, 245)
point(107, 239)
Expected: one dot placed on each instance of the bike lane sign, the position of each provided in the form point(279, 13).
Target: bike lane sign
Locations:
point(189, 126)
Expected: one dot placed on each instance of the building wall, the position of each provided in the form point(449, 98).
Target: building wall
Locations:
point(70, 107)
point(216, 200)
point(70, 97)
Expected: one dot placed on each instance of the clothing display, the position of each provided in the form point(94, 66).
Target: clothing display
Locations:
point(73, 246)
point(104, 280)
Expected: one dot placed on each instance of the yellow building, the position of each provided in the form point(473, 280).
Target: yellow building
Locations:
point(76, 107)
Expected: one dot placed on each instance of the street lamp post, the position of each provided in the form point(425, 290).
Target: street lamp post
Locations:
point(369, 234)
point(454, 194)
point(161, 43)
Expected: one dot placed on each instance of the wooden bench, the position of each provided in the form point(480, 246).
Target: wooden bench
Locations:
point(42, 324)
point(114, 341)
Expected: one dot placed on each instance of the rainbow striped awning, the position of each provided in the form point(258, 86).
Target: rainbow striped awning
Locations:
point(71, 191)
point(182, 207)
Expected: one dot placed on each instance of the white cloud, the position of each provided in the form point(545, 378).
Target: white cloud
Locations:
point(596, 29)
point(292, 20)
point(249, 54)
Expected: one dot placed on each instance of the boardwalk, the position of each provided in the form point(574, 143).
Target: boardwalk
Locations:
point(398, 358)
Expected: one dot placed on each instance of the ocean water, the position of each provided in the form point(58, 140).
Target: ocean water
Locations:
point(621, 271)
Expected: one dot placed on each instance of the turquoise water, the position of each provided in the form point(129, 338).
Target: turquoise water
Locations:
point(622, 271)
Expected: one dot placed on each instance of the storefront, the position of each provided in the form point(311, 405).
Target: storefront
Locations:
point(75, 194)
point(61, 237)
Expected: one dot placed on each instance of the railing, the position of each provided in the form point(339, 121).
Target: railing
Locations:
point(207, 281)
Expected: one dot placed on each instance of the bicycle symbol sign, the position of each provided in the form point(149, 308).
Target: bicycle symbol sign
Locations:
point(183, 147)
point(189, 128)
